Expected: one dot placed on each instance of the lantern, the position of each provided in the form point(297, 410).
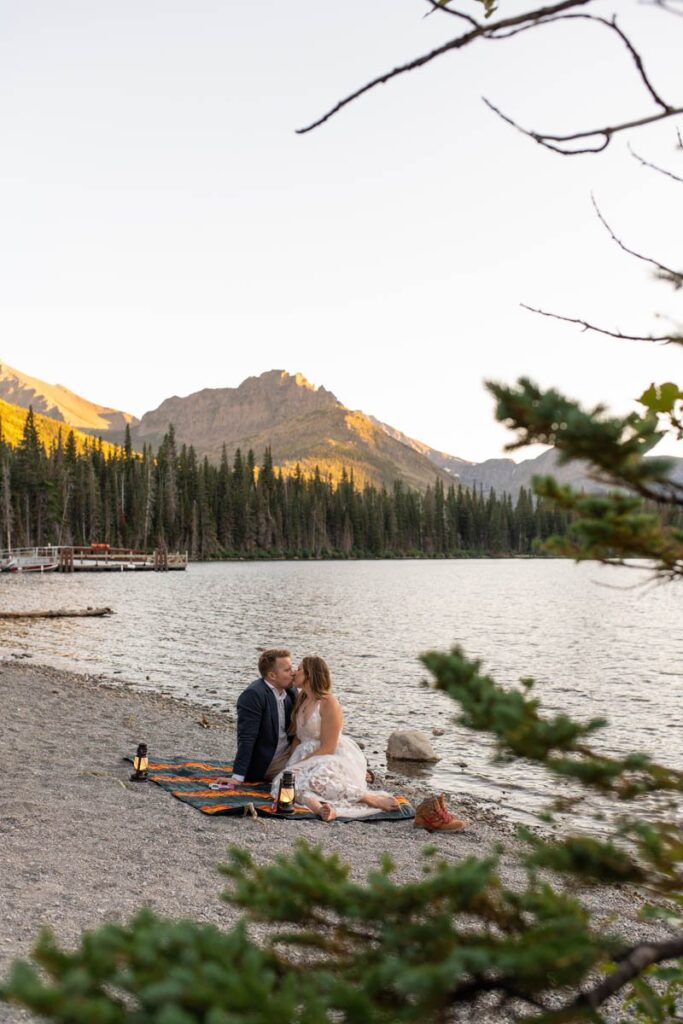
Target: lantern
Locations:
point(140, 764)
point(286, 793)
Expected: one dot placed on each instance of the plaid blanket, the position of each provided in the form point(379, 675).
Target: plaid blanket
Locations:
point(190, 782)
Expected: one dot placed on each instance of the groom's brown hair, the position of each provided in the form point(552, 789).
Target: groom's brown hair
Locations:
point(267, 660)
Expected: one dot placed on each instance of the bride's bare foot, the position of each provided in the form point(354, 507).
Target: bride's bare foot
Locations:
point(381, 801)
point(325, 812)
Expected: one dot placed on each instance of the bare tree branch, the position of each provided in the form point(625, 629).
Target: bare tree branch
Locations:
point(665, 5)
point(453, 44)
point(653, 167)
point(631, 963)
point(610, 24)
point(664, 339)
point(605, 134)
point(637, 60)
point(661, 574)
point(597, 139)
point(676, 275)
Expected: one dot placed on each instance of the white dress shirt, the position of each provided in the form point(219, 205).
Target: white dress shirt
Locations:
point(282, 737)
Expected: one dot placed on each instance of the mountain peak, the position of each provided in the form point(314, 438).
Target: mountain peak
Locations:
point(301, 381)
point(302, 423)
point(240, 415)
point(285, 379)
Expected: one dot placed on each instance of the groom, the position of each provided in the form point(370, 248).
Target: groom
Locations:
point(264, 711)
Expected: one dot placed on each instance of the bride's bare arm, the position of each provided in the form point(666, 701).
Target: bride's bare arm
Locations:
point(331, 722)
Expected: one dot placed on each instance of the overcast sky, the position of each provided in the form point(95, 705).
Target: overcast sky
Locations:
point(163, 230)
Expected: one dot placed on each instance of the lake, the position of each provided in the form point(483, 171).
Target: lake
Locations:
point(595, 644)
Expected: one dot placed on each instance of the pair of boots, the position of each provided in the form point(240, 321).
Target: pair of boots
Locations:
point(433, 815)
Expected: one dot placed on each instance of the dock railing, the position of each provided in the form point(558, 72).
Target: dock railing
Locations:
point(68, 558)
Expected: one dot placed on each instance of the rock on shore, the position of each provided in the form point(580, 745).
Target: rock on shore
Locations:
point(410, 745)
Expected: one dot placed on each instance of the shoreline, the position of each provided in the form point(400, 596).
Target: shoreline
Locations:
point(223, 722)
point(82, 845)
point(462, 556)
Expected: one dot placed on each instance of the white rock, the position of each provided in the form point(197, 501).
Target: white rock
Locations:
point(410, 745)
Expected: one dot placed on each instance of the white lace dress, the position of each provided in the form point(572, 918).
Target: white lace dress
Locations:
point(337, 779)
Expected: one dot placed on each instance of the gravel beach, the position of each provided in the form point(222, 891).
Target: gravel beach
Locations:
point(80, 844)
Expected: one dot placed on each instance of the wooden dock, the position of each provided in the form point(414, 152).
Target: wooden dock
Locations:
point(91, 558)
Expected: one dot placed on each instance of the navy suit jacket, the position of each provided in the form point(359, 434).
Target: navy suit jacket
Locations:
point(258, 729)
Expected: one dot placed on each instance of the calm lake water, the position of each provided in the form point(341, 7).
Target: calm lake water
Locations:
point(595, 645)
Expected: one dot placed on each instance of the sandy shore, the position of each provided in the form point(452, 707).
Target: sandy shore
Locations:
point(80, 844)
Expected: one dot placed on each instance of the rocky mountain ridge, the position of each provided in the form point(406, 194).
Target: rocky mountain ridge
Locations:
point(303, 425)
point(449, 463)
point(509, 476)
point(58, 403)
point(216, 416)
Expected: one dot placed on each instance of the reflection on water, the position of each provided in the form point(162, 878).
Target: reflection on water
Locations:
point(594, 650)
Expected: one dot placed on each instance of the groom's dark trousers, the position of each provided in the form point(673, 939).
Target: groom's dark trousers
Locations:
point(258, 731)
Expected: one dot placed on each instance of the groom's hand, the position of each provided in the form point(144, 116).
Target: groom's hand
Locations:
point(228, 783)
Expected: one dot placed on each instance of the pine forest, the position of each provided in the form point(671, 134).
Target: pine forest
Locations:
point(62, 491)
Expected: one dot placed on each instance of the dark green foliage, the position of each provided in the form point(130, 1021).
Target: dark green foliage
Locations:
point(407, 952)
point(619, 525)
point(614, 445)
point(510, 715)
point(158, 972)
point(585, 856)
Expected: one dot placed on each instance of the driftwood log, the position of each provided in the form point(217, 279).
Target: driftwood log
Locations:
point(58, 613)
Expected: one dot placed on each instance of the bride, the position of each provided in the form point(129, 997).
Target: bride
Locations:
point(329, 768)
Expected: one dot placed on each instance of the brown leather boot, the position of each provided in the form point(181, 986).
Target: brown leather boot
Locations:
point(433, 815)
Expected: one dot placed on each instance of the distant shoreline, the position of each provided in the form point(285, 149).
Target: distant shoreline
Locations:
point(460, 557)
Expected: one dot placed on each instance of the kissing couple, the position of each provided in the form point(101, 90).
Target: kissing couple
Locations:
point(290, 718)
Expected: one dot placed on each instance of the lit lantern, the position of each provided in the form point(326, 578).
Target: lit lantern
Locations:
point(286, 794)
point(140, 764)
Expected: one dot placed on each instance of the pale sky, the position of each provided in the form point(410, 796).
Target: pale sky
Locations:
point(164, 230)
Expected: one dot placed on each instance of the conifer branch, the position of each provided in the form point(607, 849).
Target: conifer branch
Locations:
point(632, 962)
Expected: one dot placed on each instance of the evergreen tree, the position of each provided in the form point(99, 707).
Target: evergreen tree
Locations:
point(30, 482)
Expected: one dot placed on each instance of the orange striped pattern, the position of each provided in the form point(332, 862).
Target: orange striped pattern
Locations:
point(202, 765)
point(189, 781)
point(217, 793)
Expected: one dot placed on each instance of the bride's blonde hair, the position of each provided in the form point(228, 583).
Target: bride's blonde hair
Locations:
point(317, 675)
